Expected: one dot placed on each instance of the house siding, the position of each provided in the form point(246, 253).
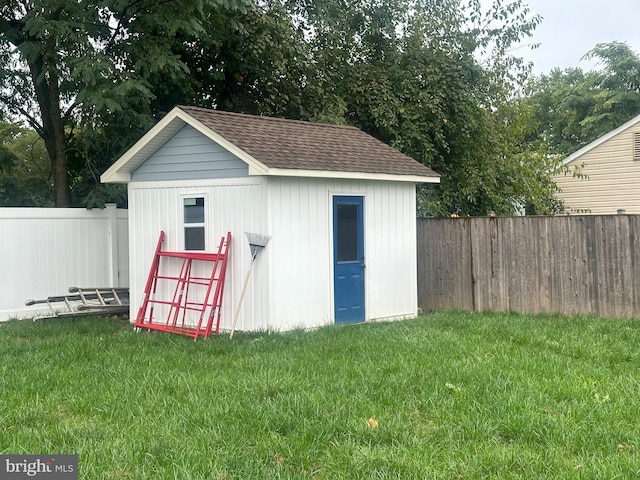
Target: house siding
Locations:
point(190, 155)
point(613, 178)
point(232, 205)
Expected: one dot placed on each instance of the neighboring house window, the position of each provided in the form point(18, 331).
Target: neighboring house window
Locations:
point(194, 223)
point(636, 146)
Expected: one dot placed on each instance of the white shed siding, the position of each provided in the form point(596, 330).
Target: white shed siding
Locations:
point(301, 271)
point(391, 251)
point(302, 252)
point(613, 178)
point(233, 205)
point(190, 155)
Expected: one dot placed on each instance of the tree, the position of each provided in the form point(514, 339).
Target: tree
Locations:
point(617, 86)
point(431, 78)
point(64, 64)
point(252, 59)
point(574, 107)
point(25, 173)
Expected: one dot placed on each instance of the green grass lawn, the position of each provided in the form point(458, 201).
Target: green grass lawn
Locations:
point(455, 395)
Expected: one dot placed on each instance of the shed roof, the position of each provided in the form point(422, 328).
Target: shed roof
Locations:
point(600, 140)
point(275, 146)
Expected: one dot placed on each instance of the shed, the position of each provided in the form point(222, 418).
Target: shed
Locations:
point(610, 173)
point(339, 205)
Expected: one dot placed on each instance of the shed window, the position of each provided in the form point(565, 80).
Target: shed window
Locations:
point(194, 224)
point(347, 233)
point(636, 146)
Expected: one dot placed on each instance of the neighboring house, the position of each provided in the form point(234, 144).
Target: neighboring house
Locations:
point(334, 200)
point(609, 170)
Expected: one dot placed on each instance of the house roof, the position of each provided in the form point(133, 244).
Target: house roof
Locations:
point(275, 146)
point(598, 141)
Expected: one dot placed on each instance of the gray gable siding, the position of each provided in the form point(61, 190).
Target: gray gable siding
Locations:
point(190, 155)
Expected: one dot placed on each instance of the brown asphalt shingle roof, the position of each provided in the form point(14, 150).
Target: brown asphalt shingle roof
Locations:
point(292, 144)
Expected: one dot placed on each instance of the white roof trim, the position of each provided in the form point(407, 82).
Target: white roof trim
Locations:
point(198, 182)
point(120, 171)
point(286, 172)
point(115, 172)
point(601, 140)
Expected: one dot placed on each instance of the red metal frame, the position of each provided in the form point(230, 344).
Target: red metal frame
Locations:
point(208, 305)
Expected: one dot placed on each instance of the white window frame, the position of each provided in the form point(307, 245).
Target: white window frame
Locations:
point(186, 225)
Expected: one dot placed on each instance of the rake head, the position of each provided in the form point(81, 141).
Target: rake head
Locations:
point(257, 242)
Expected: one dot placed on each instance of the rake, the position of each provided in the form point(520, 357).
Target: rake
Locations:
point(257, 242)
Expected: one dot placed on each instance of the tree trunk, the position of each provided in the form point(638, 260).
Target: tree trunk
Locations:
point(46, 83)
point(59, 158)
point(59, 166)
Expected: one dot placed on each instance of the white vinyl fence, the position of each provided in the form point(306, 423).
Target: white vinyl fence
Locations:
point(44, 251)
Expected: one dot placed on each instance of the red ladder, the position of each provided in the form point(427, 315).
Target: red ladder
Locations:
point(200, 295)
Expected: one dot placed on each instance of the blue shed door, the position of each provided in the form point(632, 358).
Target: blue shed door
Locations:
point(348, 259)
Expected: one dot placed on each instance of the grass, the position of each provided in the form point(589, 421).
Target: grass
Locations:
point(456, 396)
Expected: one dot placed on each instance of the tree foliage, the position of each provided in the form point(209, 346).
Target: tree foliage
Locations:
point(25, 172)
point(574, 107)
point(433, 78)
point(66, 65)
point(429, 78)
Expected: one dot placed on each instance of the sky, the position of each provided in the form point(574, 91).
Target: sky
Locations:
point(570, 28)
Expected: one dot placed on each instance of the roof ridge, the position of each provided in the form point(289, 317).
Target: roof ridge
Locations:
point(265, 117)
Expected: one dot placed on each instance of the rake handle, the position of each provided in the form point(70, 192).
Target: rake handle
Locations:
point(244, 289)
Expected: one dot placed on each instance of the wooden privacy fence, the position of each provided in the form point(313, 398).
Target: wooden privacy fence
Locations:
point(563, 264)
